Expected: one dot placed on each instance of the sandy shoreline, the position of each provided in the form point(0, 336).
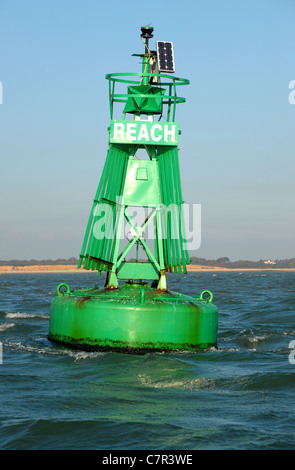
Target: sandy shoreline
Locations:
point(74, 269)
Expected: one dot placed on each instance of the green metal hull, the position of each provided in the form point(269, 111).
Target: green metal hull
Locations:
point(134, 319)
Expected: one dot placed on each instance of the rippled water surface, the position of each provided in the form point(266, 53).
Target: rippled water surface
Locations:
point(237, 396)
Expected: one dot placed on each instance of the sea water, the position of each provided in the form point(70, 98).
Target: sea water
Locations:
point(239, 395)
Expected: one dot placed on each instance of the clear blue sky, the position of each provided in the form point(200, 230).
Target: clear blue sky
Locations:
point(237, 142)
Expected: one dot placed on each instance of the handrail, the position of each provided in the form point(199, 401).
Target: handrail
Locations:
point(180, 81)
point(170, 81)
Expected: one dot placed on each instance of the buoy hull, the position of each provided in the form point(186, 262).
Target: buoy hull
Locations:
point(132, 319)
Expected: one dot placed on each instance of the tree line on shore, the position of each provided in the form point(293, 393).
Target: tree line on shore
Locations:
point(42, 262)
point(223, 262)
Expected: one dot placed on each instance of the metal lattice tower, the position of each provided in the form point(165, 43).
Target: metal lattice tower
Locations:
point(152, 183)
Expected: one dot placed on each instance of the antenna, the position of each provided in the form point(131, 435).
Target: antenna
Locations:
point(147, 33)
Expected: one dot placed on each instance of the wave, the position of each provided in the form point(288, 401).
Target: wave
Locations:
point(25, 315)
point(5, 326)
point(49, 350)
point(198, 383)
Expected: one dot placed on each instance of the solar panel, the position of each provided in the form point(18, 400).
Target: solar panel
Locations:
point(165, 56)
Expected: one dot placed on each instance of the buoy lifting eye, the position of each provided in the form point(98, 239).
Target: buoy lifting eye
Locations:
point(63, 289)
point(206, 295)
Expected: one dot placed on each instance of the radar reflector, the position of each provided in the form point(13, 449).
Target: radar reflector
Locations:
point(165, 56)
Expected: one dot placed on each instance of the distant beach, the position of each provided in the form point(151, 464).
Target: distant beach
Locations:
point(66, 268)
point(73, 269)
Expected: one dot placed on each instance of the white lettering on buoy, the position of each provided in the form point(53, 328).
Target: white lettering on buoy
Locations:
point(131, 131)
point(119, 130)
point(164, 133)
point(153, 136)
point(168, 132)
point(143, 133)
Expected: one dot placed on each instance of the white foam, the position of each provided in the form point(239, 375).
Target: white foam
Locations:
point(198, 383)
point(20, 346)
point(48, 350)
point(82, 355)
point(25, 315)
point(255, 339)
point(5, 326)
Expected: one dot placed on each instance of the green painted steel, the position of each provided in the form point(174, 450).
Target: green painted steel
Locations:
point(98, 246)
point(137, 317)
point(137, 270)
point(128, 181)
point(168, 82)
point(144, 99)
point(134, 318)
point(153, 183)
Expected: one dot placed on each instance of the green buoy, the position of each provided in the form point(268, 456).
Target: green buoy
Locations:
point(137, 316)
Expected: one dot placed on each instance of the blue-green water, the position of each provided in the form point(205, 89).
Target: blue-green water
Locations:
point(237, 396)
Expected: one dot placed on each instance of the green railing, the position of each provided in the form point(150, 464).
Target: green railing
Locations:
point(166, 82)
point(107, 295)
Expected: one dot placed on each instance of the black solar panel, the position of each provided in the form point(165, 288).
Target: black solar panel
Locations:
point(165, 56)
